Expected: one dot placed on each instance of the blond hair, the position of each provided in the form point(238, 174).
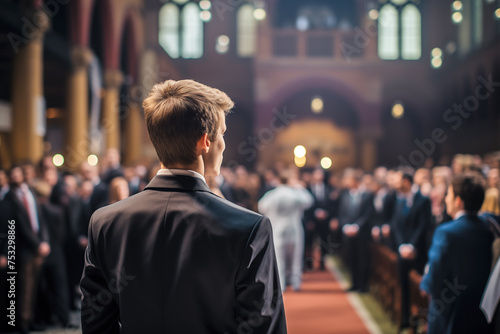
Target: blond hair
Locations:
point(179, 113)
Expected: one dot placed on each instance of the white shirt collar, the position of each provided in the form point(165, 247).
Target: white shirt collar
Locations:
point(177, 171)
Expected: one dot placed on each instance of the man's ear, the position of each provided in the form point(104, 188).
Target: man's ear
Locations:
point(203, 144)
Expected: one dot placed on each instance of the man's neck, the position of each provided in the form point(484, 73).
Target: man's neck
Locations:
point(406, 193)
point(197, 166)
point(459, 214)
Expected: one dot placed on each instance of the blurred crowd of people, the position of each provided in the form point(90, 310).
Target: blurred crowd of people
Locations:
point(399, 208)
point(50, 210)
point(310, 208)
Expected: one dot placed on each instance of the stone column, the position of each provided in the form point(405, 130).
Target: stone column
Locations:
point(77, 120)
point(110, 108)
point(28, 109)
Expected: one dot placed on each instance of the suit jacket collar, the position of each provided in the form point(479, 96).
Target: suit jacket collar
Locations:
point(21, 209)
point(13, 197)
point(417, 199)
point(179, 183)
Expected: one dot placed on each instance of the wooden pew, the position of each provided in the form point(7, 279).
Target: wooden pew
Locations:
point(384, 282)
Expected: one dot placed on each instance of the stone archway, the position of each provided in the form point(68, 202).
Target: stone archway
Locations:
point(331, 132)
point(320, 137)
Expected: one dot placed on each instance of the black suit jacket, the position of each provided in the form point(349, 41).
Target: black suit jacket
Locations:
point(54, 217)
point(412, 228)
point(325, 203)
point(27, 241)
point(178, 259)
point(362, 216)
point(100, 196)
point(385, 215)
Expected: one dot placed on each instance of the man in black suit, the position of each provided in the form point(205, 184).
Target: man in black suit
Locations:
point(317, 219)
point(410, 221)
point(53, 292)
point(176, 258)
point(32, 245)
point(65, 196)
point(355, 212)
point(383, 202)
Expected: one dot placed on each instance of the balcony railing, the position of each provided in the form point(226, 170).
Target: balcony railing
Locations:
point(335, 44)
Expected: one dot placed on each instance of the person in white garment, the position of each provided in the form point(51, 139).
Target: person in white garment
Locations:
point(285, 207)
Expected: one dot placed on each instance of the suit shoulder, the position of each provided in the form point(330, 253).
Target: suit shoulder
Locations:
point(445, 228)
point(462, 226)
point(107, 212)
point(231, 209)
point(203, 203)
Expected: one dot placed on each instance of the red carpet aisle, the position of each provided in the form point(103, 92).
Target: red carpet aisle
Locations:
point(321, 307)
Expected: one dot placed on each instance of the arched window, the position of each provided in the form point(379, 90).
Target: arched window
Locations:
point(411, 32)
point(400, 31)
point(247, 30)
point(181, 29)
point(168, 36)
point(388, 31)
point(192, 33)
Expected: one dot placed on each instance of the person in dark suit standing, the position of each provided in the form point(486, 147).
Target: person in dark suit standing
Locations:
point(410, 221)
point(32, 244)
point(383, 202)
point(355, 212)
point(459, 263)
point(100, 192)
point(177, 258)
point(318, 218)
point(54, 288)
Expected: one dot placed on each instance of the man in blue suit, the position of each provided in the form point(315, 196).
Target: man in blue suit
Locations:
point(459, 263)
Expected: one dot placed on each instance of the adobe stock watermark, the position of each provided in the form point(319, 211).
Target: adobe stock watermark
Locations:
point(437, 306)
point(222, 7)
point(138, 92)
point(32, 26)
point(250, 147)
point(453, 117)
point(91, 306)
point(135, 95)
point(255, 319)
point(362, 39)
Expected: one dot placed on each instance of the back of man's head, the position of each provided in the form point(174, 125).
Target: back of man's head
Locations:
point(284, 176)
point(470, 188)
point(179, 113)
point(408, 177)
